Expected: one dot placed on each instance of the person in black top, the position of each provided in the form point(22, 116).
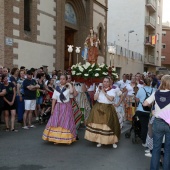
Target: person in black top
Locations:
point(2, 93)
point(14, 76)
point(40, 94)
point(9, 103)
point(30, 86)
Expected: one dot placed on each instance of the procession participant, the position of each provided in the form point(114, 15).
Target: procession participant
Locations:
point(9, 103)
point(90, 94)
point(122, 83)
point(129, 100)
point(83, 101)
point(30, 86)
point(103, 124)
point(76, 110)
point(117, 102)
point(61, 127)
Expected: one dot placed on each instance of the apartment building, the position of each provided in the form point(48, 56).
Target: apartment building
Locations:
point(136, 25)
point(165, 58)
point(36, 32)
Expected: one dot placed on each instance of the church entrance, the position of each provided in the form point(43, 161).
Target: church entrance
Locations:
point(69, 40)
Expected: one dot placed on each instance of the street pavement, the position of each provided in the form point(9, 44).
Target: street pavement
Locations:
point(25, 150)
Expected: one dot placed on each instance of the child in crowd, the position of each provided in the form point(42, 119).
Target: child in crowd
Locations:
point(46, 108)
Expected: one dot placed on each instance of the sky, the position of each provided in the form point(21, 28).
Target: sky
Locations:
point(166, 11)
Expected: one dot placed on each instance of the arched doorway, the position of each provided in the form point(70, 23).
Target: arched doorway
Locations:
point(70, 30)
point(76, 28)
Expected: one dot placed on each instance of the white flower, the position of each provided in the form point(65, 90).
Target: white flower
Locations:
point(93, 65)
point(78, 74)
point(114, 74)
point(117, 76)
point(105, 73)
point(73, 72)
point(114, 69)
point(90, 70)
point(102, 65)
point(79, 64)
point(88, 64)
point(98, 69)
point(86, 75)
point(81, 68)
point(73, 66)
point(97, 74)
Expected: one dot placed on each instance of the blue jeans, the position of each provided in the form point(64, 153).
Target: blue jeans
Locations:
point(20, 108)
point(160, 128)
point(39, 100)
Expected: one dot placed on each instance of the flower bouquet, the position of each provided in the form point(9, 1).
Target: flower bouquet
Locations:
point(92, 73)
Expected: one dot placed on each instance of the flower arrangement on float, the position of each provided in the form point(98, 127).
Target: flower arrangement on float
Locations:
point(92, 72)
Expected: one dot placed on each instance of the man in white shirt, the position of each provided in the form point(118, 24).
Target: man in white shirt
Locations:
point(124, 82)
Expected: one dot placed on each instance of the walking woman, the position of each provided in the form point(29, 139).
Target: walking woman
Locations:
point(61, 127)
point(76, 110)
point(9, 103)
point(161, 124)
point(103, 124)
point(142, 114)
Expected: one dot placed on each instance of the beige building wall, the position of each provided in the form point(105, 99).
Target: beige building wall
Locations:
point(123, 66)
point(33, 55)
point(41, 51)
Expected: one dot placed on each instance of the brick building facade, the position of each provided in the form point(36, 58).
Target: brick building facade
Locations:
point(36, 32)
point(165, 58)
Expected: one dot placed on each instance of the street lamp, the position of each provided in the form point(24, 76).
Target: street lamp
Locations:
point(77, 52)
point(70, 50)
point(129, 32)
point(111, 51)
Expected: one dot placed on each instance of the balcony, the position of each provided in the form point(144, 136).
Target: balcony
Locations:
point(148, 41)
point(151, 5)
point(150, 22)
point(150, 60)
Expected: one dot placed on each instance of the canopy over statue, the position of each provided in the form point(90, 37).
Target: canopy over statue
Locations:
point(91, 47)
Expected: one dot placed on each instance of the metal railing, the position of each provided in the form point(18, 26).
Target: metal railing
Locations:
point(152, 2)
point(150, 20)
point(151, 59)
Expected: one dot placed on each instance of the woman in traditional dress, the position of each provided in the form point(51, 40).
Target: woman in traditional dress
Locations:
point(130, 100)
point(61, 126)
point(103, 124)
point(76, 110)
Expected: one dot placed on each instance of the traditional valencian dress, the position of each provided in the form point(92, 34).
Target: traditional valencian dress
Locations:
point(76, 111)
point(103, 125)
point(61, 126)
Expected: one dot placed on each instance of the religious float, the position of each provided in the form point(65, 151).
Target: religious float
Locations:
point(91, 72)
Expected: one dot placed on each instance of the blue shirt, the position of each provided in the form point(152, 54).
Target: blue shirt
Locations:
point(141, 95)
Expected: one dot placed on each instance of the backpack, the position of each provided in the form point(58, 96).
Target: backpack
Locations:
point(147, 108)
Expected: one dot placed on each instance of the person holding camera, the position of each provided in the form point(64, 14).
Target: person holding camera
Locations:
point(102, 124)
point(61, 126)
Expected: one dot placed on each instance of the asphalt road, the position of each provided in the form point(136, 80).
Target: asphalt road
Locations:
point(25, 150)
